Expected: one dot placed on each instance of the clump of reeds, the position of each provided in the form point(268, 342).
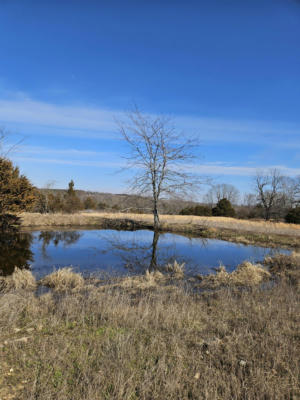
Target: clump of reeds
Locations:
point(246, 274)
point(20, 279)
point(285, 267)
point(175, 269)
point(64, 279)
point(149, 280)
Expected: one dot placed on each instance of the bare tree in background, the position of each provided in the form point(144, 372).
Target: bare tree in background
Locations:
point(49, 185)
point(268, 187)
point(291, 189)
point(159, 155)
point(222, 191)
point(250, 200)
point(296, 191)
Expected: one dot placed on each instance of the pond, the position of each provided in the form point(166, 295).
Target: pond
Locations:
point(104, 253)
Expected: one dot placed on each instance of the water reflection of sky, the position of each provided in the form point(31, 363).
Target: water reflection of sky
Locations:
point(121, 252)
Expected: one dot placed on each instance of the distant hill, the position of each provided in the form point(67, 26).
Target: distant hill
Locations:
point(126, 202)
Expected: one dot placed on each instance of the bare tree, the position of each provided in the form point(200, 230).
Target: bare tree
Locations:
point(296, 191)
point(268, 187)
point(250, 200)
point(291, 189)
point(159, 157)
point(222, 191)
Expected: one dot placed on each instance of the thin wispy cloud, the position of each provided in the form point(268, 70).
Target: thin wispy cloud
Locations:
point(85, 119)
point(239, 170)
point(69, 152)
point(79, 163)
point(93, 122)
point(218, 168)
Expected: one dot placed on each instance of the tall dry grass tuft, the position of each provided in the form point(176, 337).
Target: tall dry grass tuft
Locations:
point(285, 267)
point(175, 269)
point(136, 284)
point(20, 279)
point(63, 280)
point(246, 274)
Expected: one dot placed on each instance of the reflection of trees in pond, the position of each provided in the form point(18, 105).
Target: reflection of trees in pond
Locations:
point(138, 256)
point(134, 255)
point(15, 252)
point(56, 237)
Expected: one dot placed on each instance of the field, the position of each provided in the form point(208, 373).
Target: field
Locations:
point(270, 234)
point(150, 337)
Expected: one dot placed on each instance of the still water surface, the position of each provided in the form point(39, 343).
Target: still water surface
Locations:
point(110, 252)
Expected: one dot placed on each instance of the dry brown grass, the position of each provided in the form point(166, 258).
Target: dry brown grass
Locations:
point(225, 344)
point(134, 284)
point(20, 279)
point(285, 267)
point(246, 274)
point(175, 269)
point(64, 279)
point(84, 219)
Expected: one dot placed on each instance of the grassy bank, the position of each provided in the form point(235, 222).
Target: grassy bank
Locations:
point(150, 337)
point(241, 231)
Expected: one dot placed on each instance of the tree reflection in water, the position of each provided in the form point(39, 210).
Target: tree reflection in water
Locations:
point(15, 251)
point(139, 257)
point(56, 237)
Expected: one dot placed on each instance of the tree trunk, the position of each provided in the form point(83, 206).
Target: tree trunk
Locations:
point(156, 216)
point(267, 214)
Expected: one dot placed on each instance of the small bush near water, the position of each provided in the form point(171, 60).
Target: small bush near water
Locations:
point(159, 341)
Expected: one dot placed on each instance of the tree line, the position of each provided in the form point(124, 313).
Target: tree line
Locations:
point(274, 196)
point(50, 201)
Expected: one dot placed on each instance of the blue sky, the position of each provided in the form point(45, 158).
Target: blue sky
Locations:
point(226, 71)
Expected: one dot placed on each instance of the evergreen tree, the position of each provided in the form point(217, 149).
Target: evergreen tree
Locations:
point(72, 201)
point(293, 216)
point(17, 194)
point(223, 209)
point(71, 191)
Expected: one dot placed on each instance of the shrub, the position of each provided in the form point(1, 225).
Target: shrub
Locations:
point(55, 203)
point(197, 210)
point(223, 209)
point(102, 206)
point(293, 216)
point(89, 203)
